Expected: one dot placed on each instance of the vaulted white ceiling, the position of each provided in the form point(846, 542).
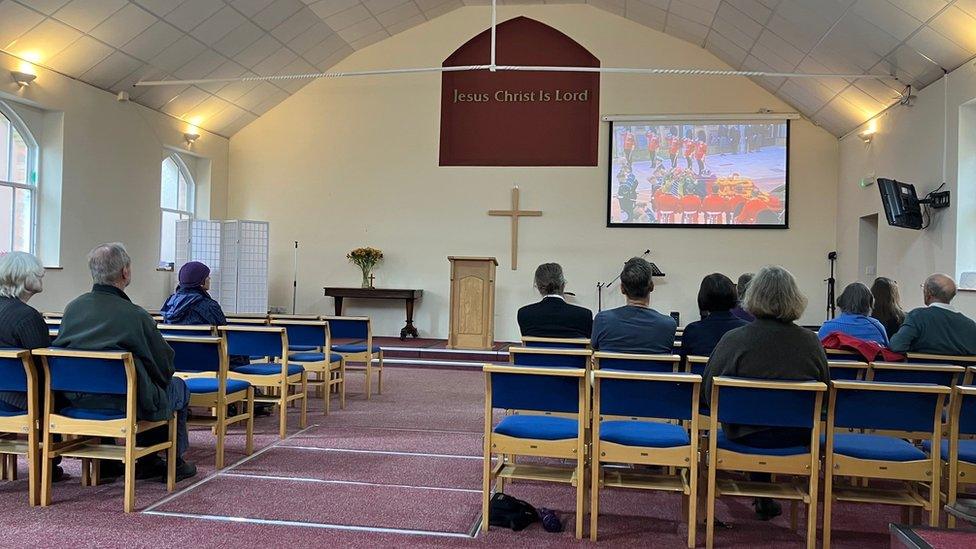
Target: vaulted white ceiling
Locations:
point(113, 43)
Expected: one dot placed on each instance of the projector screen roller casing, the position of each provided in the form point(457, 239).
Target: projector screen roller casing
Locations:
point(699, 174)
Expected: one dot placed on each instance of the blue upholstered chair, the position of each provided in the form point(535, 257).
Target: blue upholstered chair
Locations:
point(277, 375)
point(203, 364)
point(695, 364)
point(330, 370)
point(17, 374)
point(201, 330)
point(957, 452)
point(559, 391)
point(556, 342)
point(104, 372)
point(624, 403)
point(549, 357)
point(910, 408)
point(847, 370)
point(292, 346)
point(766, 403)
point(360, 350)
point(636, 363)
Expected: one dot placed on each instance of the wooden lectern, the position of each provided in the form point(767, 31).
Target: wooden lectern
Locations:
point(472, 303)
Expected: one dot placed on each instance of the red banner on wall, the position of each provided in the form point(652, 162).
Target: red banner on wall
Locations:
point(520, 118)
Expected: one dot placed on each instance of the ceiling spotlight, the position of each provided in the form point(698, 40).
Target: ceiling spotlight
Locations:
point(190, 138)
point(23, 79)
point(866, 135)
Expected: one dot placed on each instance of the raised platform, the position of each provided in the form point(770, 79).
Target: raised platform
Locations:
point(433, 353)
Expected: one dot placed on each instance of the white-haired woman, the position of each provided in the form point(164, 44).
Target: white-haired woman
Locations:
point(771, 347)
point(21, 326)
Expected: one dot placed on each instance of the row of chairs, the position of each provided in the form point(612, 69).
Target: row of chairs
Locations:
point(650, 416)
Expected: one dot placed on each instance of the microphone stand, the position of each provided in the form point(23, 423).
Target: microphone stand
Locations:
point(601, 285)
point(831, 284)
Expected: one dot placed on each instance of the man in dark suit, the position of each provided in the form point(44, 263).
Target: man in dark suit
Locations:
point(553, 317)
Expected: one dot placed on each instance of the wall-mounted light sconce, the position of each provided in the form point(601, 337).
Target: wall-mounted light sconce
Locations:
point(866, 135)
point(23, 79)
point(190, 138)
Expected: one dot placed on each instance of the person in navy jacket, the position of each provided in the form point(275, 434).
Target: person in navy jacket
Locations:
point(716, 299)
point(553, 317)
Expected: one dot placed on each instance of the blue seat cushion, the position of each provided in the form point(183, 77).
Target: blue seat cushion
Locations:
point(8, 410)
point(209, 385)
point(353, 348)
point(537, 427)
point(101, 414)
point(644, 433)
point(267, 369)
point(724, 443)
point(314, 357)
point(967, 450)
point(878, 447)
point(302, 348)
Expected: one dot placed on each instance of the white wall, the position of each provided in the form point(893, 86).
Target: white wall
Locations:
point(351, 162)
point(109, 170)
point(908, 147)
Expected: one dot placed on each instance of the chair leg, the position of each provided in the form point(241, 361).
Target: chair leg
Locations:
point(94, 473)
point(692, 507)
point(47, 469)
point(33, 468)
point(369, 377)
point(303, 421)
point(594, 496)
point(485, 491)
point(952, 494)
point(935, 496)
point(249, 433)
point(342, 384)
point(794, 515)
point(828, 502)
point(710, 509)
point(12, 467)
point(220, 432)
point(812, 511)
point(379, 375)
point(326, 390)
point(171, 457)
point(580, 495)
point(283, 412)
point(129, 501)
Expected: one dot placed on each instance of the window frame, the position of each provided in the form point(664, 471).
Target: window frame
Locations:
point(32, 167)
point(190, 211)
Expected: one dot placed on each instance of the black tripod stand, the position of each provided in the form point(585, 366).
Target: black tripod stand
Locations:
point(831, 283)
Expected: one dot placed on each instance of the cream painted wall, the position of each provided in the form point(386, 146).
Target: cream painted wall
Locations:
point(908, 147)
point(350, 162)
point(110, 170)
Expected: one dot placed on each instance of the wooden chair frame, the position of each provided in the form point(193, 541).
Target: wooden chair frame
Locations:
point(25, 424)
point(862, 368)
point(918, 471)
point(959, 472)
point(694, 359)
point(806, 465)
point(247, 321)
point(278, 382)
point(188, 330)
point(675, 360)
point(959, 360)
point(569, 449)
point(329, 375)
point(219, 400)
point(569, 342)
point(278, 317)
point(682, 457)
point(365, 358)
point(88, 444)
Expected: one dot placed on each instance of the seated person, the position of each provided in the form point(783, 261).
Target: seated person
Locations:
point(716, 298)
point(21, 326)
point(855, 304)
point(105, 319)
point(741, 288)
point(938, 328)
point(887, 305)
point(191, 304)
point(635, 327)
point(771, 347)
point(553, 317)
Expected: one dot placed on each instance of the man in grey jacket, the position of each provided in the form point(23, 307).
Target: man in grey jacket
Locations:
point(104, 319)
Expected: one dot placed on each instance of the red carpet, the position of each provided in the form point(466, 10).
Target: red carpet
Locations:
point(333, 496)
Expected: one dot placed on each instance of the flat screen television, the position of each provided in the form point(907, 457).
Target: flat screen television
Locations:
point(901, 205)
point(720, 174)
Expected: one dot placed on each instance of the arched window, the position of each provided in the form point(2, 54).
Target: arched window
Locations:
point(176, 203)
point(18, 183)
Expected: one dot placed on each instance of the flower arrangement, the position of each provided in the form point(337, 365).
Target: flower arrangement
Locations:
point(365, 258)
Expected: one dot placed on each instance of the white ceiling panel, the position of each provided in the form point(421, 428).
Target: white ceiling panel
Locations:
point(113, 44)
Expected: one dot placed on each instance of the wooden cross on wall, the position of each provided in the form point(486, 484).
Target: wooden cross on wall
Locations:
point(515, 213)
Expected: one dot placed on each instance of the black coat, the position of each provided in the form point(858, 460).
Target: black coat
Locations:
point(553, 317)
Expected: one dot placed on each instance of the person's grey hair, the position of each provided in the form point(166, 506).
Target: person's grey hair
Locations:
point(107, 262)
point(743, 284)
point(941, 287)
point(549, 279)
point(856, 299)
point(774, 294)
point(18, 272)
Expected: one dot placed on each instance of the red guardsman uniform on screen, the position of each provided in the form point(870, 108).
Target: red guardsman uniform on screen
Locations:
point(701, 149)
point(629, 141)
point(690, 146)
point(653, 141)
point(674, 144)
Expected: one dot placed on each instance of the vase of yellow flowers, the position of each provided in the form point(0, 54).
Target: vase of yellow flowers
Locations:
point(365, 258)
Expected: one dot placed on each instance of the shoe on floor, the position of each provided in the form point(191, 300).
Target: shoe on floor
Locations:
point(58, 474)
point(150, 467)
point(110, 469)
point(767, 509)
point(184, 470)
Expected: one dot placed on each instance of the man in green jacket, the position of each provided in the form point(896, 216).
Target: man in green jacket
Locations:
point(106, 320)
point(937, 328)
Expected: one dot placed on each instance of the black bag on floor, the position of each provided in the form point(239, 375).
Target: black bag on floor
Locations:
point(512, 513)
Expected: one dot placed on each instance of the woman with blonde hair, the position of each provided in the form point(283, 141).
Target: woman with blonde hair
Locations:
point(772, 347)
